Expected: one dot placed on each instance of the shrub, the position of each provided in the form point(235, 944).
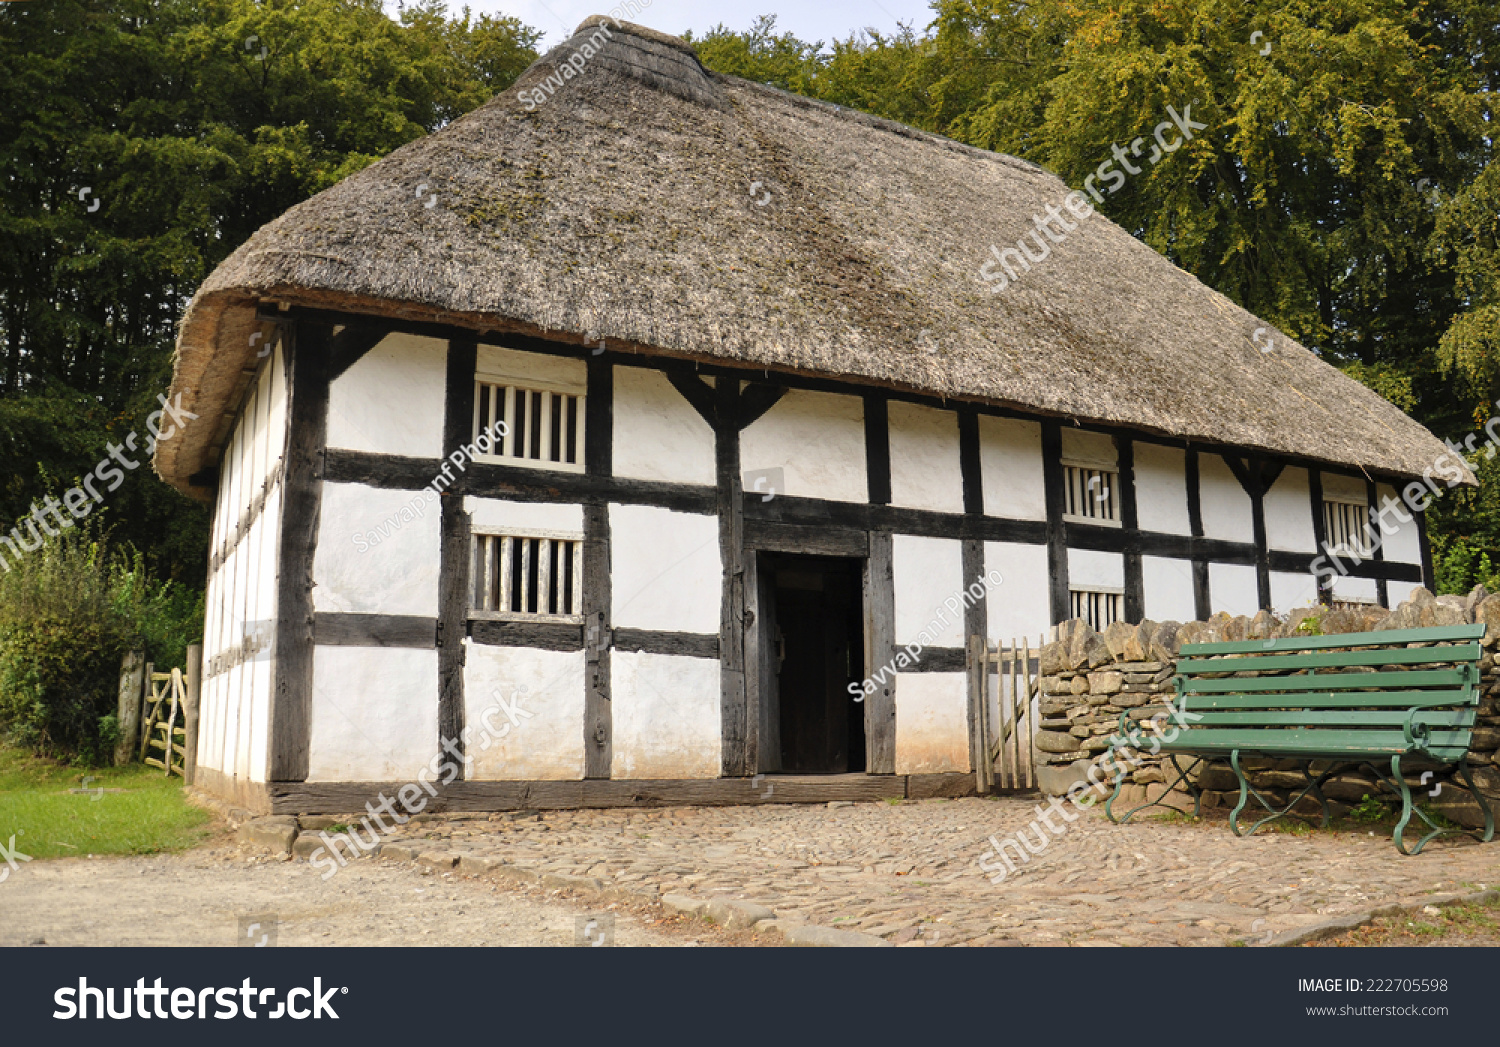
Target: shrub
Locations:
point(68, 613)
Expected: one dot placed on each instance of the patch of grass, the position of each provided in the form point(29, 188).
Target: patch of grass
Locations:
point(48, 821)
point(1451, 924)
point(338, 828)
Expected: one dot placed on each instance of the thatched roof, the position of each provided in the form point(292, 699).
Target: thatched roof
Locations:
point(672, 210)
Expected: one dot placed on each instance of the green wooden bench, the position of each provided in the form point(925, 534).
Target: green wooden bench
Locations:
point(1365, 700)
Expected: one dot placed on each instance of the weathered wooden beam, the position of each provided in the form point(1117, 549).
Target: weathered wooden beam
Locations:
point(307, 428)
point(880, 649)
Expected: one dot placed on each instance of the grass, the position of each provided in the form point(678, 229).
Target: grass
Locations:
point(48, 821)
point(1451, 924)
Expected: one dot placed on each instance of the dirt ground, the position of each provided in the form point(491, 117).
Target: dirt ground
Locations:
point(210, 895)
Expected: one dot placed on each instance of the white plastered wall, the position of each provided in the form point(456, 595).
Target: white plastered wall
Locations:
point(927, 573)
point(378, 551)
point(925, 471)
point(817, 440)
point(240, 597)
point(374, 714)
point(1167, 585)
point(1021, 605)
point(666, 716)
point(665, 570)
point(1010, 468)
point(658, 435)
point(1290, 590)
point(1091, 569)
point(391, 400)
point(932, 723)
point(1405, 546)
point(1289, 519)
point(1226, 506)
point(1233, 588)
point(548, 685)
point(1161, 489)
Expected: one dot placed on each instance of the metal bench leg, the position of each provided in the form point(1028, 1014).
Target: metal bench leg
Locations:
point(1182, 776)
point(1313, 787)
point(1406, 809)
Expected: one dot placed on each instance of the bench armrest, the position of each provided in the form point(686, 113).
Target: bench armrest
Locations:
point(1418, 734)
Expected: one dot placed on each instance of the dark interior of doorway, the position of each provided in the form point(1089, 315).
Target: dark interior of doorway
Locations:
point(817, 647)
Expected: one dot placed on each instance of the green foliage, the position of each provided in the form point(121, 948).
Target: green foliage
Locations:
point(191, 123)
point(68, 614)
point(1370, 810)
point(1312, 625)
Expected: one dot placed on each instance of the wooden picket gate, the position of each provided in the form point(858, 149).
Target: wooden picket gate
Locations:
point(1009, 674)
point(166, 732)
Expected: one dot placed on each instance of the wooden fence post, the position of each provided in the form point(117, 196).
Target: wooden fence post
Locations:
point(190, 712)
point(128, 710)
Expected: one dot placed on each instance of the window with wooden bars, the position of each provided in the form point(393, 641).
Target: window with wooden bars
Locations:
point(1092, 495)
point(1098, 607)
point(1346, 527)
point(530, 577)
point(543, 426)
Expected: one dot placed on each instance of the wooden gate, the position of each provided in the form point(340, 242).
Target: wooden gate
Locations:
point(1003, 695)
point(165, 729)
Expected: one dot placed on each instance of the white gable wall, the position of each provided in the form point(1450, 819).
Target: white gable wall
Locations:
point(817, 440)
point(658, 435)
point(1161, 489)
point(1010, 468)
point(391, 400)
point(924, 458)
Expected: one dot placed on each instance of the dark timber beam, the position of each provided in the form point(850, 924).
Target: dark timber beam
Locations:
point(1057, 529)
point(307, 428)
point(1202, 602)
point(454, 584)
point(880, 649)
point(1377, 540)
point(1320, 529)
point(877, 449)
point(1135, 585)
point(598, 708)
point(738, 761)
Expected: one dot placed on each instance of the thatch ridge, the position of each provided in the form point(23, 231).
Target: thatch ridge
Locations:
point(672, 210)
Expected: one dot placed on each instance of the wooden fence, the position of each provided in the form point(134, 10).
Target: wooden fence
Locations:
point(158, 714)
point(1003, 695)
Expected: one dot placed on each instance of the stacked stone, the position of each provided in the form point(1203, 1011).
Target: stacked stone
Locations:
point(1088, 679)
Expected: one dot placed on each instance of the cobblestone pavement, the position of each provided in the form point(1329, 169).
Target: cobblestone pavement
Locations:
point(908, 871)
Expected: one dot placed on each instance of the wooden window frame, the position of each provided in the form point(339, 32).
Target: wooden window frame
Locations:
point(1111, 474)
point(1117, 599)
point(1361, 532)
point(509, 386)
point(488, 548)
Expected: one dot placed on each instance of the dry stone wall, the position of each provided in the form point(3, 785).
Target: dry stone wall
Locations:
point(1088, 678)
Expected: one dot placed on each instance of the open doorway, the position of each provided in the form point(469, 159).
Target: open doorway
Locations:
point(815, 644)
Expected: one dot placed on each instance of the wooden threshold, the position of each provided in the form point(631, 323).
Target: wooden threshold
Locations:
point(459, 796)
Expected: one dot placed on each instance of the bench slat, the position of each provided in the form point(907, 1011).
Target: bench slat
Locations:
point(1326, 681)
point(1431, 634)
point(1330, 700)
point(1302, 741)
point(1329, 659)
point(1344, 717)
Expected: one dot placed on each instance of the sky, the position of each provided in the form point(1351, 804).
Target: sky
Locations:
point(827, 20)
